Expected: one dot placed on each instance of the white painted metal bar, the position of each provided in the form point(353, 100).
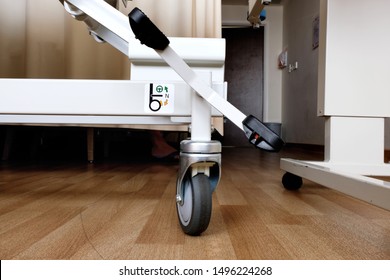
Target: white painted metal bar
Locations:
point(374, 191)
point(193, 80)
point(201, 114)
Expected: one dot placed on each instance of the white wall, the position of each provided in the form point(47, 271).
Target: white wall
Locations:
point(273, 46)
point(299, 117)
point(236, 15)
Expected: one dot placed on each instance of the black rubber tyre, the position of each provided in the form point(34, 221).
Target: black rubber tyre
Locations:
point(195, 211)
point(291, 181)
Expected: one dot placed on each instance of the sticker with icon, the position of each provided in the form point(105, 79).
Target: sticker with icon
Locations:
point(159, 98)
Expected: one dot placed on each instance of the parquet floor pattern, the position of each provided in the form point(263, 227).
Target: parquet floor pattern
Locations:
point(126, 210)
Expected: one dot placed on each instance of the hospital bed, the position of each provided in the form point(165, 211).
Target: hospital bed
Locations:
point(175, 82)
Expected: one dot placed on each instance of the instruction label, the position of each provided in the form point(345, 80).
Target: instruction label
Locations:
point(159, 98)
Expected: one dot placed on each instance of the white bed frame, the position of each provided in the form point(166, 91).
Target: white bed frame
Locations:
point(115, 103)
point(188, 92)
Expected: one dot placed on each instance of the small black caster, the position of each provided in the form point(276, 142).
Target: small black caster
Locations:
point(291, 181)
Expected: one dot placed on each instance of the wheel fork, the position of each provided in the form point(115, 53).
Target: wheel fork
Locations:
point(199, 157)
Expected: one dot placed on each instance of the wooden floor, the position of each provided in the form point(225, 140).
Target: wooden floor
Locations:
point(126, 210)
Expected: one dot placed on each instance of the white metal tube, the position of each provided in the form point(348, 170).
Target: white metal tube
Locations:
point(201, 115)
point(193, 80)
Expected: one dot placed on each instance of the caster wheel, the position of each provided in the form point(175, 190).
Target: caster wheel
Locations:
point(194, 211)
point(291, 182)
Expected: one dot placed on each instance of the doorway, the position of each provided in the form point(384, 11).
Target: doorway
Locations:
point(244, 74)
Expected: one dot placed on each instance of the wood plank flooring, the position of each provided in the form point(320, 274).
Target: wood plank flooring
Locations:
point(126, 210)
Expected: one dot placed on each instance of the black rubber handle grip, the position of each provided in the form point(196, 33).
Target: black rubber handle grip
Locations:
point(259, 134)
point(145, 30)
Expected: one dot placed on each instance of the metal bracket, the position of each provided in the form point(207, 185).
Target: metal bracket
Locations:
point(205, 157)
